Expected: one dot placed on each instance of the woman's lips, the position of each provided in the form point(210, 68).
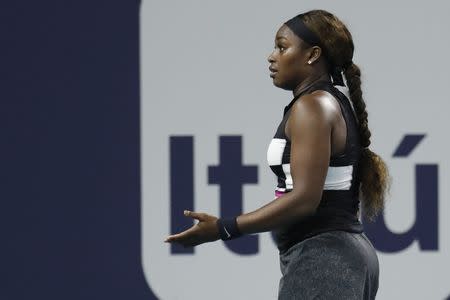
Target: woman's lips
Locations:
point(272, 71)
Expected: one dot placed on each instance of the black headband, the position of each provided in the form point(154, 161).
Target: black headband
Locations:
point(297, 26)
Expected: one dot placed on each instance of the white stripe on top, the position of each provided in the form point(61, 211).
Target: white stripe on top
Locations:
point(337, 178)
point(275, 151)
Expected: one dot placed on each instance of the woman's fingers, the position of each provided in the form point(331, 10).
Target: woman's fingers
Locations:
point(195, 215)
point(197, 234)
point(179, 237)
point(185, 240)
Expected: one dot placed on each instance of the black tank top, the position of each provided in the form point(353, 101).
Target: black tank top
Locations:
point(339, 203)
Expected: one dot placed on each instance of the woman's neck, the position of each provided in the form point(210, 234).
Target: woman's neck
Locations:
point(309, 81)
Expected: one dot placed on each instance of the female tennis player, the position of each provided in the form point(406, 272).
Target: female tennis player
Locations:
point(325, 169)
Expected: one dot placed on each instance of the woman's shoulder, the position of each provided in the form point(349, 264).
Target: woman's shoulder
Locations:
point(313, 111)
point(318, 104)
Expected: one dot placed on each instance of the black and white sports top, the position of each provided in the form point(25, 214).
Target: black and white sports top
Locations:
point(339, 203)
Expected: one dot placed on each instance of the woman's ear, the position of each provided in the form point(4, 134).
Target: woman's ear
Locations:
point(315, 54)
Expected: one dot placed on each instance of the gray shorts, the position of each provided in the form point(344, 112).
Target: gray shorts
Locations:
point(330, 265)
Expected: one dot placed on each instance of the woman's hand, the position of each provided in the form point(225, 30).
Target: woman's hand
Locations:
point(204, 231)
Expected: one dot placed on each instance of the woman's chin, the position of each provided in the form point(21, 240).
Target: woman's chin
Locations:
point(279, 84)
point(275, 82)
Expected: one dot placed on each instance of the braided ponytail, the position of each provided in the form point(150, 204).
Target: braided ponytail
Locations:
point(373, 171)
point(338, 43)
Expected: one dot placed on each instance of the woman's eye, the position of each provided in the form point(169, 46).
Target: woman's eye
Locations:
point(280, 47)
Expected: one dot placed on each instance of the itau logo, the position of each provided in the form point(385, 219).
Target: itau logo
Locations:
point(231, 174)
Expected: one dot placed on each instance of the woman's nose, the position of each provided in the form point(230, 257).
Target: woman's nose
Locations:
point(270, 58)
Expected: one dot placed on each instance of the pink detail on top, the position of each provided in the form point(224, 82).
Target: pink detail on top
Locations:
point(278, 193)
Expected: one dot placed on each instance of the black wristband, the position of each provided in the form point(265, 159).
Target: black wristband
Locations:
point(228, 228)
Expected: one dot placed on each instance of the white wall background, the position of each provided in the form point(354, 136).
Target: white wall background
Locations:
point(205, 62)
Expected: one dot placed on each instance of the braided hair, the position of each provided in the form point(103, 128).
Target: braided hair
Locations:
point(338, 43)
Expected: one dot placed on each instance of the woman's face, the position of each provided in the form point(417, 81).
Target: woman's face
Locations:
point(288, 61)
